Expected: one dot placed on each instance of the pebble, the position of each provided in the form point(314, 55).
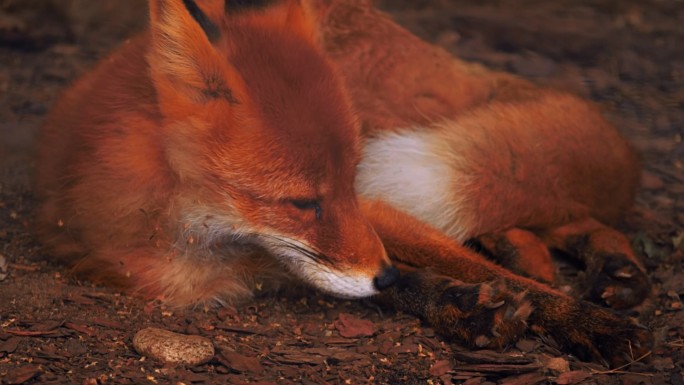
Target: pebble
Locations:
point(3, 267)
point(173, 348)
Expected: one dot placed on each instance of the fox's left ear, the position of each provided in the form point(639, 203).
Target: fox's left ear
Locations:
point(301, 19)
point(184, 63)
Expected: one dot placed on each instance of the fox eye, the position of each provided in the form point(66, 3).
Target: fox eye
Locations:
point(308, 204)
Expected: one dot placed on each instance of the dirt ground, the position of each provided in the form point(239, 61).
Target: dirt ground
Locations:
point(628, 55)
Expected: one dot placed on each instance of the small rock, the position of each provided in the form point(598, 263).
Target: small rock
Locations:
point(3, 267)
point(173, 348)
point(558, 365)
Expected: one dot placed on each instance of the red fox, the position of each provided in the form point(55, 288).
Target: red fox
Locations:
point(235, 138)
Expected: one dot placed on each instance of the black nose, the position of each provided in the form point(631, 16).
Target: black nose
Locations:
point(387, 278)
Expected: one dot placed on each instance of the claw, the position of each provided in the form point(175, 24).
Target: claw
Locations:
point(623, 273)
point(523, 312)
point(495, 305)
point(610, 292)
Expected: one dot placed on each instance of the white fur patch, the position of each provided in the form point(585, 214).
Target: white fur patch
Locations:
point(413, 170)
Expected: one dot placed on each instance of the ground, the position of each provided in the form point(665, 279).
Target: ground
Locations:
point(626, 55)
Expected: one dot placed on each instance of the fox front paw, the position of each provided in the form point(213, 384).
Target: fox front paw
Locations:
point(485, 315)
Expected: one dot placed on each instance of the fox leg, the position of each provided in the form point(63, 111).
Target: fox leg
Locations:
point(520, 251)
point(466, 297)
point(614, 275)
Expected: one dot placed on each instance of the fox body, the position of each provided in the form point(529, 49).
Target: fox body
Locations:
point(231, 140)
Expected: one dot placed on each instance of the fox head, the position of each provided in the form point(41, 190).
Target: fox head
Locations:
point(260, 133)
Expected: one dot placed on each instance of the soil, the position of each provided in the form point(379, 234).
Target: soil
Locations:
point(626, 55)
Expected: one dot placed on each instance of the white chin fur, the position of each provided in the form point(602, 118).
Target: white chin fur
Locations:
point(327, 279)
point(337, 283)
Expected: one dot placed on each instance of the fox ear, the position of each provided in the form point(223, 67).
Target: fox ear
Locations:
point(294, 15)
point(301, 18)
point(183, 61)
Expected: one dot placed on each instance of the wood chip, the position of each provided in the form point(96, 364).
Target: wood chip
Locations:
point(349, 326)
point(238, 329)
point(10, 345)
point(500, 369)
point(108, 324)
point(299, 359)
point(240, 363)
point(440, 368)
point(21, 375)
point(36, 333)
point(490, 357)
point(87, 330)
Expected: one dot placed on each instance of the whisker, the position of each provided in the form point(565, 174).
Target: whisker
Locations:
point(315, 255)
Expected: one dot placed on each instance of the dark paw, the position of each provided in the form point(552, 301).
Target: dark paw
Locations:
point(482, 315)
point(617, 282)
point(597, 334)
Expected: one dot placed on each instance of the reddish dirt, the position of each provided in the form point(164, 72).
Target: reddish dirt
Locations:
point(627, 55)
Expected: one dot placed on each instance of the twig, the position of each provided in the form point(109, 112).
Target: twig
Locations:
point(619, 368)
